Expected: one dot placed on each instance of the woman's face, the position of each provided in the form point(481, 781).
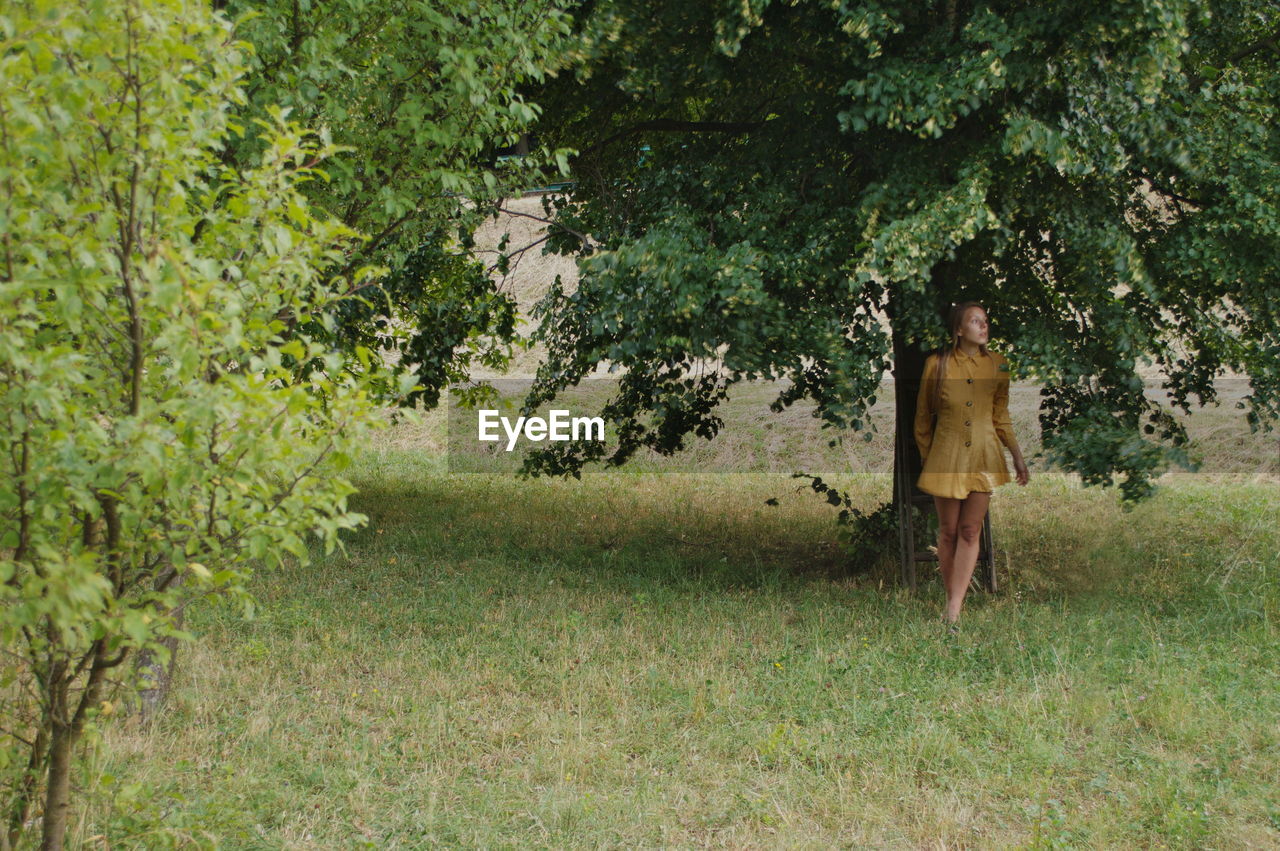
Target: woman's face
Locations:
point(973, 327)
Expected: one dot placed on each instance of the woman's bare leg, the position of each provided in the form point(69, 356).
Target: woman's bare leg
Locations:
point(968, 538)
point(948, 522)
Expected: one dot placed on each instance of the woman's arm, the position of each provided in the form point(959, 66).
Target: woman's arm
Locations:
point(1004, 424)
point(924, 408)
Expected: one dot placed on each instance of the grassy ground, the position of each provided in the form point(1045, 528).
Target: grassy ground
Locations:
point(665, 660)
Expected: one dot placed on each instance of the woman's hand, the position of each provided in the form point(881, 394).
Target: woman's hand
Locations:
point(1020, 469)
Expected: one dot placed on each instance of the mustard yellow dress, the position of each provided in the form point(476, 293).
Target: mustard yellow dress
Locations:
point(964, 452)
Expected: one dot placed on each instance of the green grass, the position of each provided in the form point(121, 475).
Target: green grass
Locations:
point(638, 660)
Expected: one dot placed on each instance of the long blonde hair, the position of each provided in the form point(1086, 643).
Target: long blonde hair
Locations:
point(954, 319)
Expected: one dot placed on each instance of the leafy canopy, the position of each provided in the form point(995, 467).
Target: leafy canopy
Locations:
point(766, 182)
point(421, 95)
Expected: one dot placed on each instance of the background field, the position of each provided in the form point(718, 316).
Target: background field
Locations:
point(755, 439)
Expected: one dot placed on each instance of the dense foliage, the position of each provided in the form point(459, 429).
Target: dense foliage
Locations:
point(766, 181)
point(422, 96)
point(156, 438)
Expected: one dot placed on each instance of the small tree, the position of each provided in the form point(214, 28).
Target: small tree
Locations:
point(155, 439)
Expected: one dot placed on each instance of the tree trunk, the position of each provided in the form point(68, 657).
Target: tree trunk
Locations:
point(58, 796)
point(28, 787)
point(908, 364)
point(909, 357)
point(159, 675)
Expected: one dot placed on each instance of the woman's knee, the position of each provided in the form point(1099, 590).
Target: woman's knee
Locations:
point(970, 532)
point(947, 535)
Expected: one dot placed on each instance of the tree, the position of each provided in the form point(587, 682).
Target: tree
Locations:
point(423, 95)
point(763, 181)
point(156, 440)
point(417, 97)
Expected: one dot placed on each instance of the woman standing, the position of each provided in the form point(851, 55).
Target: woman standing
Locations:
point(967, 388)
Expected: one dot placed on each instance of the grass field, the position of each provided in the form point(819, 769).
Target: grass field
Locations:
point(662, 659)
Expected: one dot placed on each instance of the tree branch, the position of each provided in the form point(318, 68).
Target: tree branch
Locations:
point(1166, 191)
point(671, 125)
point(553, 222)
point(367, 249)
point(1196, 80)
point(519, 251)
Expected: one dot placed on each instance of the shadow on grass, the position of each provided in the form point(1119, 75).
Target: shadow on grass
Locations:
point(714, 532)
point(682, 531)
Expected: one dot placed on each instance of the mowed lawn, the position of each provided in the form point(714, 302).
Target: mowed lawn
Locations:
point(662, 659)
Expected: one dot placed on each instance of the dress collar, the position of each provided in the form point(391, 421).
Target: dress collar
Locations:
point(960, 352)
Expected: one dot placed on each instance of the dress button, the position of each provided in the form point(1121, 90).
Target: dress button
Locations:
point(968, 404)
point(966, 422)
point(968, 380)
point(966, 443)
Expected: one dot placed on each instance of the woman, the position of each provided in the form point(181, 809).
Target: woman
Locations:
point(967, 388)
